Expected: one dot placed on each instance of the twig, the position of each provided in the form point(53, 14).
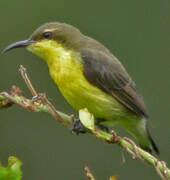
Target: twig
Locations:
point(52, 110)
point(40, 96)
point(24, 75)
point(88, 173)
point(41, 106)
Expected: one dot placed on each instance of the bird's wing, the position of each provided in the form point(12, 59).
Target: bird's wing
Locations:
point(106, 72)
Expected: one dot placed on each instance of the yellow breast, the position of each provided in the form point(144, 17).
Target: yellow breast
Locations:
point(65, 67)
point(67, 71)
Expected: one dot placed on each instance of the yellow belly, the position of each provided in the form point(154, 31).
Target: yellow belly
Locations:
point(66, 69)
point(68, 75)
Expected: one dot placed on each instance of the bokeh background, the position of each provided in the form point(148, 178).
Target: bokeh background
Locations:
point(137, 32)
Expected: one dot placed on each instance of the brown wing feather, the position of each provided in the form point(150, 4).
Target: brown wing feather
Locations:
point(106, 72)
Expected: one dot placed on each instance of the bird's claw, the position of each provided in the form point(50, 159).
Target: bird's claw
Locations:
point(78, 127)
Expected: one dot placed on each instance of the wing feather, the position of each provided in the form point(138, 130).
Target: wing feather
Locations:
point(106, 72)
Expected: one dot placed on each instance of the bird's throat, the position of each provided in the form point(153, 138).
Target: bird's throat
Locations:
point(64, 64)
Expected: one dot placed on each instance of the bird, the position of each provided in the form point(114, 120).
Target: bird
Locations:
point(89, 76)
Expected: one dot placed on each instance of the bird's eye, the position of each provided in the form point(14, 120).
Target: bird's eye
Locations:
point(47, 34)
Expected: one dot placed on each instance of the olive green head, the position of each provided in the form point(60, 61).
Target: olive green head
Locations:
point(59, 32)
point(62, 33)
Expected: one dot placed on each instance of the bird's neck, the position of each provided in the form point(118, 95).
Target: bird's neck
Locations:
point(64, 64)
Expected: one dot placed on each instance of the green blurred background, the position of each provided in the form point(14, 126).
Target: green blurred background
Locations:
point(138, 34)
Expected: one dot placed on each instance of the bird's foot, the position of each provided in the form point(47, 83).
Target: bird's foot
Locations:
point(101, 126)
point(78, 127)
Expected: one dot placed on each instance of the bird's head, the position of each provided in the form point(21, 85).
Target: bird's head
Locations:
point(49, 36)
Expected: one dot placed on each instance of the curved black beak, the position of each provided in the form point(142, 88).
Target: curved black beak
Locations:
point(18, 44)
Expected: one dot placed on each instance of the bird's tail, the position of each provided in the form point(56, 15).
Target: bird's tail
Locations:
point(153, 145)
point(141, 133)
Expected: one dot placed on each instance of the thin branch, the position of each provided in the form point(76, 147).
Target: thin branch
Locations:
point(88, 173)
point(15, 96)
point(90, 176)
point(24, 75)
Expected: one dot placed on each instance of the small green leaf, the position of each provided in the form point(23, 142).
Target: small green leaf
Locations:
point(86, 118)
point(12, 171)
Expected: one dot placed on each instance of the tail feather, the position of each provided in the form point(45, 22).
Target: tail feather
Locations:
point(154, 146)
point(150, 146)
point(140, 131)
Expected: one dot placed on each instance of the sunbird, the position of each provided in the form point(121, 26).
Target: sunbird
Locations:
point(89, 76)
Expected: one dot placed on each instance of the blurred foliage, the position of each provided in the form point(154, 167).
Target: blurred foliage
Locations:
point(113, 178)
point(12, 171)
